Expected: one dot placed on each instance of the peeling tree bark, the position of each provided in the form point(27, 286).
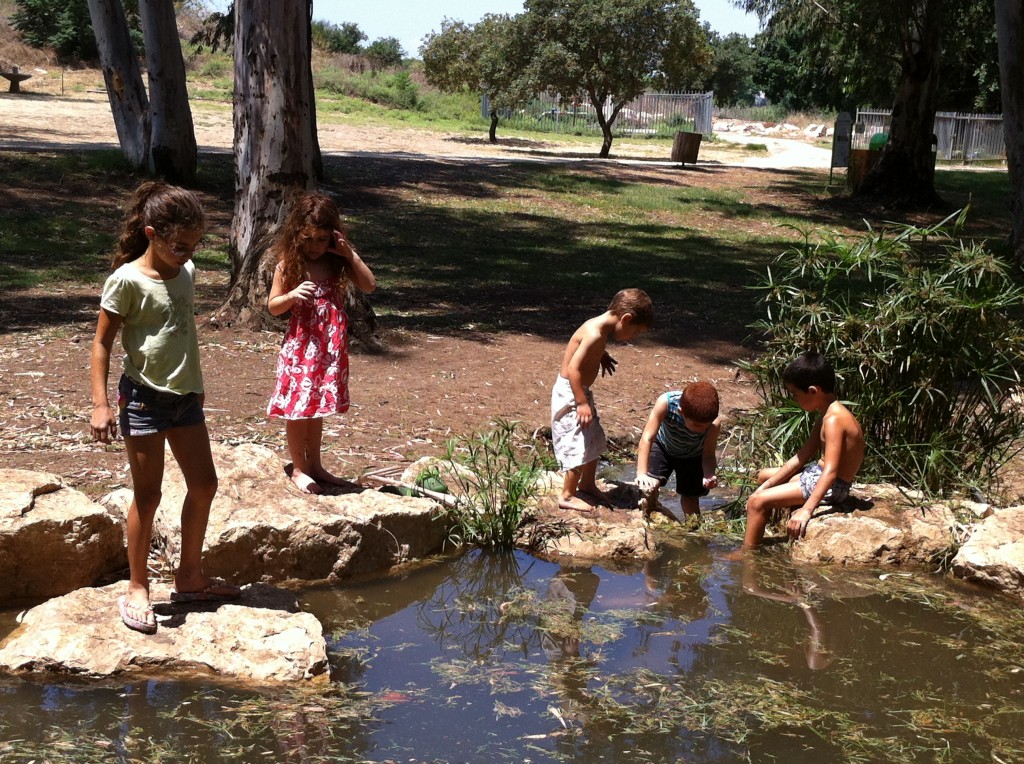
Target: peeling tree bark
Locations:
point(172, 133)
point(129, 103)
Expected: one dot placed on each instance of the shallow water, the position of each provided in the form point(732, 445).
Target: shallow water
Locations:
point(693, 657)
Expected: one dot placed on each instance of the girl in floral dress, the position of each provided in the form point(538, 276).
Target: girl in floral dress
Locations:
point(316, 265)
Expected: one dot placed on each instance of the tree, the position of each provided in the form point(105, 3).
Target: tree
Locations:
point(59, 24)
point(275, 145)
point(337, 38)
point(129, 103)
point(1010, 29)
point(491, 57)
point(733, 73)
point(384, 53)
point(172, 146)
point(866, 44)
point(611, 51)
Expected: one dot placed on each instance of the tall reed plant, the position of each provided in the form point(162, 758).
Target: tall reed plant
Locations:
point(496, 476)
point(924, 331)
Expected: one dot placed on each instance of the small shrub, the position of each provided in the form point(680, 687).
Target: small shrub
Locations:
point(494, 477)
point(923, 330)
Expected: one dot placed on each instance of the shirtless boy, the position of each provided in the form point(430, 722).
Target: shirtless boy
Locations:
point(576, 432)
point(810, 380)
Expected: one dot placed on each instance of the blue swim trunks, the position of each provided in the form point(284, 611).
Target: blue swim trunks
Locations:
point(812, 474)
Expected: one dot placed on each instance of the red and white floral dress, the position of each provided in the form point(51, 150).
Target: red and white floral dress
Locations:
point(312, 370)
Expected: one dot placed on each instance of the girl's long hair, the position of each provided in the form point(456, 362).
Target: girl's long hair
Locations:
point(168, 209)
point(313, 210)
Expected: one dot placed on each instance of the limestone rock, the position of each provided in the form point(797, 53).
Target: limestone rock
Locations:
point(261, 638)
point(53, 539)
point(618, 533)
point(994, 553)
point(263, 529)
point(893, 531)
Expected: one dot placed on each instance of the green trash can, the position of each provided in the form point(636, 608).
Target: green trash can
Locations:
point(878, 141)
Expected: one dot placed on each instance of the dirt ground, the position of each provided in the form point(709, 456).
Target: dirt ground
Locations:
point(406, 401)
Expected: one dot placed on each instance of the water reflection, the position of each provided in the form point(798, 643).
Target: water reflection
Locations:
point(690, 657)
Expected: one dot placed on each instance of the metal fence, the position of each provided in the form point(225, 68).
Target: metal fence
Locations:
point(961, 137)
point(649, 114)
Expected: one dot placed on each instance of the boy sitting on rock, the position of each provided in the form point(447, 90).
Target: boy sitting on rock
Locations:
point(810, 380)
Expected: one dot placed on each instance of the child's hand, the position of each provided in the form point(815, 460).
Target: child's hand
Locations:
point(608, 364)
point(646, 483)
point(303, 291)
point(340, 245)
point(711, 482)
point(797, 525)
point(584, 414)
point(104, 424)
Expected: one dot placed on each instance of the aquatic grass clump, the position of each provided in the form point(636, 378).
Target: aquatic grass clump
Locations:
point(923, 330)
point(495, 476)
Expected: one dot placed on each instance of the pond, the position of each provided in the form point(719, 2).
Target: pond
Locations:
point(693, 657)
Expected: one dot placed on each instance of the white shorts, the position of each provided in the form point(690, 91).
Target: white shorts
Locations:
point(574, 445)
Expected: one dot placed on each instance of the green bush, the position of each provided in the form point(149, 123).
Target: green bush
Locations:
point(337, 38)
point(495, 478)
point(395, 90)
point(923, 330)
point(63, 25)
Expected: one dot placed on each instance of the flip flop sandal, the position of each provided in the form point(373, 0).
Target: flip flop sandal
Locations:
point(133, 623)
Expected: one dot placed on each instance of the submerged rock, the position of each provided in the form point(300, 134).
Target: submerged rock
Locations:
point(263, 529)
point(994, 553)
point(53, 539)
point(260, 638)
point(879, 526)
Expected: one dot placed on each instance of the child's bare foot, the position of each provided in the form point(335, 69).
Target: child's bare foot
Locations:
point(305, 483)
point(577, 503)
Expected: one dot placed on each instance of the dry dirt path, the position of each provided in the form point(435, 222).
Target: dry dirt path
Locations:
point(82, 120)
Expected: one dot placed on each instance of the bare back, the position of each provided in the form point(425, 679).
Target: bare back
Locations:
point(586, 347)
point(842, 441)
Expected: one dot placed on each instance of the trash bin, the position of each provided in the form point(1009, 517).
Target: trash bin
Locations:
point(861, 162)
point(878, 141)
point(685, 147)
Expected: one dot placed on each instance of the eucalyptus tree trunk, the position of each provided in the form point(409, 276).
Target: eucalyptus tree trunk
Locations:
point(172, 133)
point(126, 92)
point(1010, 31)
point(905, 172)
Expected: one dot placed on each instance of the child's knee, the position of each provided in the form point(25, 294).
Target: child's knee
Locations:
point(146, 501)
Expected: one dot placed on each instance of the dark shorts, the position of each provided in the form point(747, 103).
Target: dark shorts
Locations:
point(689, 471)
point(145, 411)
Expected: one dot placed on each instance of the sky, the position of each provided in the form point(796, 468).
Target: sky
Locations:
point(411, 20)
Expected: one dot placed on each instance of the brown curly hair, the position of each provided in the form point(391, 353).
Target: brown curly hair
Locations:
point(312, 210)
point(699, 402)
point(168, 209)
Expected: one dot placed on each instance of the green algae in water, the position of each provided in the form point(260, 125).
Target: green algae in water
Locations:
point(507, 658)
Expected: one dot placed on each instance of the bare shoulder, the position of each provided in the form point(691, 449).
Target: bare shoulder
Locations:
point(838, 416)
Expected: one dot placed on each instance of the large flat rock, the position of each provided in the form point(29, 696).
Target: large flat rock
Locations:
point(263, 529)
point(891, 530)
point(261, 638)
point(994, 553)
point(53, 539)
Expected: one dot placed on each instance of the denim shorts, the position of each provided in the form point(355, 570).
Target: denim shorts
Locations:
point(145, 411)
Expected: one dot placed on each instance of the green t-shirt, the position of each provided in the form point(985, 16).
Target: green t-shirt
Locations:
point(159, 330)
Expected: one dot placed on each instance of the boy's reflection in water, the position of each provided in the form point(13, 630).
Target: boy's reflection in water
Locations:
point(816, 653)
point(570, 594)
